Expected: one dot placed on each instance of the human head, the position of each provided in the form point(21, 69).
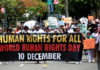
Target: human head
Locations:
point(88, 33)
point(22, 28)
point(47, 29)
point(37, 27)
point(9, 30)
point(55, 31)
point(62, 27)
point(18, 27)
point(77, 29)
point(26, 28)
point(95, 30)
point(33, 27)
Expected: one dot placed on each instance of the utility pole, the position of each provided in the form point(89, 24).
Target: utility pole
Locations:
point(66, 8)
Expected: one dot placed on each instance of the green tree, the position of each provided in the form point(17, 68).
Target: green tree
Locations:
point(79, 8)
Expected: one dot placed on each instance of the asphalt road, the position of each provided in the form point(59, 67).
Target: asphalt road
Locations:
point(51, 65)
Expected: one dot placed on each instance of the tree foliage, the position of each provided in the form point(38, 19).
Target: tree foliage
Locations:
point(79, 8)
point(16, 8)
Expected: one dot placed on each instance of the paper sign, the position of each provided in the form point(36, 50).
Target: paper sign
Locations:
point(61, 22)
point(89, 44)
point(46, 23)
point(68, 20)
point(90, 17)
point(53, 22)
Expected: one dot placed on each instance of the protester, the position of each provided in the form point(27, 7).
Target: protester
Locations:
point(80, 53)
point(98, 48)
point(95, 35)
point(38, 30)
point(90, 52)
point(18, 28)
point(70, 30)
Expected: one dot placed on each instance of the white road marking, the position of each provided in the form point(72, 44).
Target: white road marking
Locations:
point(22, 65)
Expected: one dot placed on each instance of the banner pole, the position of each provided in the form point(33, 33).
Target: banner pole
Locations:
point(53, 10)
point(58, 11)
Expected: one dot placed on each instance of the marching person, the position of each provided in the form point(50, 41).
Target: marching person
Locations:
point(98, 49)
point(18, 28)
point(90, 52)
point(95, 35)
point(80, 53)
point(38, 30)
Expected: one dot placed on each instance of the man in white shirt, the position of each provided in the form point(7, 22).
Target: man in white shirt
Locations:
point(38, 30)
point(70, 30)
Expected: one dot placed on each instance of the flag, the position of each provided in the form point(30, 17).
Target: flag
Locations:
point(2, 10)
point(56, 2)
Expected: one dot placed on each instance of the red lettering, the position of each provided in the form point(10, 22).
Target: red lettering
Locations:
point(57, 47)
point(6, 48)
point(36, 48)
point(10, 47)
point(53, 47)
point(13, 46)
point(40, 47)
point(23, 47)
point(49, 47)
point(74, 48)
point(78, 47)
point(69, 47)
point(64, 47)
point(28, 47)
point(1, 48)
point(17, 47)
point(46, 47)
point(31, 47)
point(61, 47)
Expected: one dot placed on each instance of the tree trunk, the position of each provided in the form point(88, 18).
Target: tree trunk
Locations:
point(66, 6)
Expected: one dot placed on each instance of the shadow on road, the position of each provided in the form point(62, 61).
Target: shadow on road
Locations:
point(98, 63)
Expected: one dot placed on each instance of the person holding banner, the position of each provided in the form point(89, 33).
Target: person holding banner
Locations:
point(90, 52)
point(80, 53)
point(37, 30)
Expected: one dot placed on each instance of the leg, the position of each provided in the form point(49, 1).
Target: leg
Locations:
point(92, 55)
point(89, 55)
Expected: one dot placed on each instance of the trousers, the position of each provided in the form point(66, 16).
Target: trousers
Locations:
point(90, 54)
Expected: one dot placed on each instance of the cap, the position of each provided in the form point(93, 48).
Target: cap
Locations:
point(95, 28)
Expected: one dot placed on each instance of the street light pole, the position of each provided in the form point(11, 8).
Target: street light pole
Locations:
point(5, 17)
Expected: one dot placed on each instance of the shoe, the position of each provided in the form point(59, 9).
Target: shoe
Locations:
point(0, 63)
point(89, 61)
point(6, 62)
point(77, 62)
point(37, 63)
point(93, 61)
